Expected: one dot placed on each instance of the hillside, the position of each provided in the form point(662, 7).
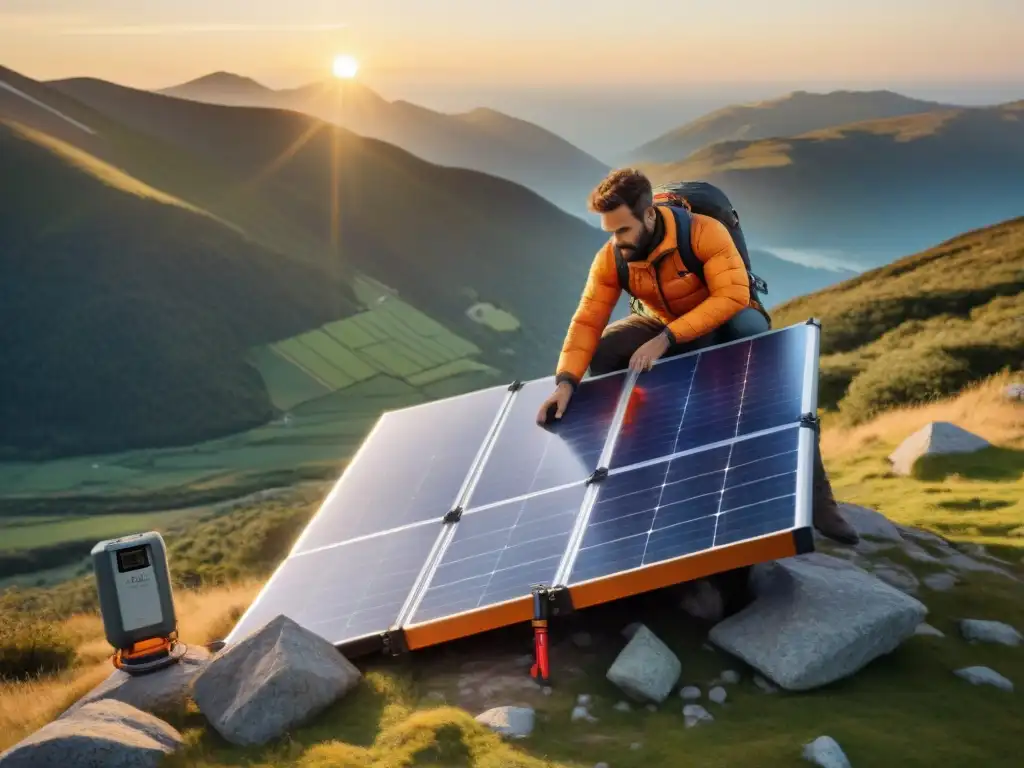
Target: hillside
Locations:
point(922, 327)
point(877, 189)
point(790, 115)
point(483, 140)
point(283, 192)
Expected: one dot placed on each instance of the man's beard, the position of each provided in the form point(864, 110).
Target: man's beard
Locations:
point(642, 246)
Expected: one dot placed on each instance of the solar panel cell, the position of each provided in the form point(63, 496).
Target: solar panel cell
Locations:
point(410, 469)
point(677, 507)
point(527, 458)
point(347, 591)
point(499, 553)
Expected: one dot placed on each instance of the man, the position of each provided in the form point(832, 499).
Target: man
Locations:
point(681, 313)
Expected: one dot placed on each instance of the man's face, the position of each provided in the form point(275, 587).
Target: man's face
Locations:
point(628, 232)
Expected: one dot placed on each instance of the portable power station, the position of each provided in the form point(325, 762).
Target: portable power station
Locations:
point(136, 602)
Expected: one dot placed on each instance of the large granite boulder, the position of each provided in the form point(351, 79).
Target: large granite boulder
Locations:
point(275, 679)
point(816, 619)
point(101, 734)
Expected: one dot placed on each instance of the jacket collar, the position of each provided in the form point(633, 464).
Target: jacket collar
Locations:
point(666, 227)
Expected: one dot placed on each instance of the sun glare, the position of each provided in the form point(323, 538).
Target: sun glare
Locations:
point(345, 67)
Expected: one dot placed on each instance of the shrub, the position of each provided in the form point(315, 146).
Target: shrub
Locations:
point(30, 647)
point(917, 376)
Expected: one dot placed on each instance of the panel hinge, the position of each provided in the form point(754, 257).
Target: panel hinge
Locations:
point(814, 321)
point(515, 386)
point(597, 475)
point(453, 515)
point(393, 642)
point(810, 421)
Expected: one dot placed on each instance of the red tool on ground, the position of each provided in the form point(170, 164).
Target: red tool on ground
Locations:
point(541, 669)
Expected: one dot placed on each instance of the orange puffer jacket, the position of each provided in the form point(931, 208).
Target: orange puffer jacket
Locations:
point(687, 308)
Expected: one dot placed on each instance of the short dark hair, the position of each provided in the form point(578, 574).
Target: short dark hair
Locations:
point(625, 186)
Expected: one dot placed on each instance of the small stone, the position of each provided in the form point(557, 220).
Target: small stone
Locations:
point(717, 694)
point(516, 722)
point(526, 660)
point(730, 677)
point(984, 676)
point(623, 706)
point(690, 693)
point(580, 713)
point(583, 700)
point(694, 714)
point(825, 752)
point(601, 765)
point(897, 576)
point(630, 629)
point(582, 639)
point(918, 553)
point(940, 582)
point(764, 685)
point(928, 630)
point(990, 632)
point(547, 690)
point(652, 707)
point(635, 746)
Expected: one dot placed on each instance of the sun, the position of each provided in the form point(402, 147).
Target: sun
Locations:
point(345, 67)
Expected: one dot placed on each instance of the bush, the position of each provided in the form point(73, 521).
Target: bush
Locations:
point(30, 647)
point(917, 376)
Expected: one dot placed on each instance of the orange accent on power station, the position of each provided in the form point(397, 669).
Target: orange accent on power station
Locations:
point(471, 623)
point(683, 569)
point(143, 649)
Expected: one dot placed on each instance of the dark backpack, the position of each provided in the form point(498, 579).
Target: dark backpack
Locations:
point(707, 199)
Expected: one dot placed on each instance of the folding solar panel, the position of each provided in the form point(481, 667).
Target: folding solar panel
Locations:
point(452, 512)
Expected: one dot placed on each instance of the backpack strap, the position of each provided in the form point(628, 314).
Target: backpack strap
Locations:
point(621, 268)
point(683, 244)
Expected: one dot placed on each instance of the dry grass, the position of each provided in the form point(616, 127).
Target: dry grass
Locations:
point(980, 409)
point(203, 615)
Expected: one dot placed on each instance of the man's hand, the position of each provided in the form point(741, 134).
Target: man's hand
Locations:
point(559, 398)
point(644, 358)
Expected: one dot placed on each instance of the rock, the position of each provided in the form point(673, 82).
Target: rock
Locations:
point(936, 438)
point(164, 690)
point(898, 576)
point(694, 714)
point(940, 582)
point(730, 677)
point(690, 693)
point(623, 706)
point(963, 562)
point(630, 629)
point(547, 690)
point(918, 554)
point(273, 680)
point(871, 523)
point(583, 700)
point(652, 707)
point(824, 751)
point(581, 713)
point(717, 694)
point(635, 746)
point(601, 765)
point(984, 676)
point(105, 732)
point(927, 537)
point(702, 600)
point(989, 632)
point(516, 722)
point(582, 639)
point(764, 685)
point(646, 669)
point(1014, 392)
point(815, 620)
point(927, 630)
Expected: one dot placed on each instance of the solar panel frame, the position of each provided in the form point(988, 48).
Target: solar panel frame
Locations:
point(779, 544)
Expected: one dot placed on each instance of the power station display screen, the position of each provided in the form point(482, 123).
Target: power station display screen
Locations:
point(132, 559)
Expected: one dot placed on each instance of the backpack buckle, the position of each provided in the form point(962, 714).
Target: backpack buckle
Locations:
point(759, 284)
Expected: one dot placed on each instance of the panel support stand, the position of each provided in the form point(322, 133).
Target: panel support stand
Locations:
point(541, 669)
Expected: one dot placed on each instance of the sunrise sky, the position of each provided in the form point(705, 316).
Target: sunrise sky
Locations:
point(575, 66)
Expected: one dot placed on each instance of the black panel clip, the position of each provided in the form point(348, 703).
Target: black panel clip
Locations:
point(814, 321)
point(597, 475)
point(453, 515)
point(810, 421)
point(393, 643)
point(515, 386)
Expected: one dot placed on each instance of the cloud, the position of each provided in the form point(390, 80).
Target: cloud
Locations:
point(136, 30)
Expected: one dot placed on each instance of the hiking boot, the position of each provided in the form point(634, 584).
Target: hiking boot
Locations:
point(826, 515)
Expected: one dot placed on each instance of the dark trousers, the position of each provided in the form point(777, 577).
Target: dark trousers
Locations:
point(618, 343)
point(624, 337)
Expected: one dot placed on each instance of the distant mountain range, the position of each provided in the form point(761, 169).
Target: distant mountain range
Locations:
point(790, 115)
point(483, 139)
point(876, 188)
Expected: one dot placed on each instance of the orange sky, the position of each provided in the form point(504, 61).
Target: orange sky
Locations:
point(528, 43)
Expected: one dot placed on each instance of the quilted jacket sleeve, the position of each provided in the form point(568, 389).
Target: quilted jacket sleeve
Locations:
point(726, 277)
point(600, 295)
